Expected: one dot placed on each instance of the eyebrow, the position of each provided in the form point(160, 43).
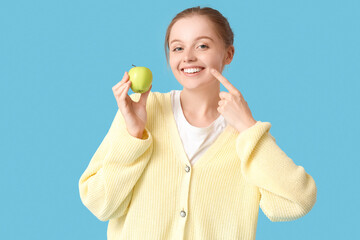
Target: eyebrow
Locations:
point(176, 40)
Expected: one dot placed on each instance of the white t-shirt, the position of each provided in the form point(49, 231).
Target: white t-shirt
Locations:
point(195, 140)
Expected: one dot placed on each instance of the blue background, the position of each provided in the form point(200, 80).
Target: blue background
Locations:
point(297, 63)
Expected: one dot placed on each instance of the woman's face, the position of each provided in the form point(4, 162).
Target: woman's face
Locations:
point(194, 43)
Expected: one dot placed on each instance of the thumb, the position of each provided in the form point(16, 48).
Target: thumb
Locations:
point(144, 96)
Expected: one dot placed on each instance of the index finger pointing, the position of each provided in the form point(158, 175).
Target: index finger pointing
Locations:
point(224, 81)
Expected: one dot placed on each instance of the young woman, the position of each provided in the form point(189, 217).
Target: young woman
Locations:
point(192, 164)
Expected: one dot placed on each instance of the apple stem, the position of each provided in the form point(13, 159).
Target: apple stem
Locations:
point(133, 65)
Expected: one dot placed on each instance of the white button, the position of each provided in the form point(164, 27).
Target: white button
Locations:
point(187, 168)
point(182, 213)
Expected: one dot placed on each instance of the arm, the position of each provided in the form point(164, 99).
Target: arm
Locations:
point(106, 185)
point(287, 191)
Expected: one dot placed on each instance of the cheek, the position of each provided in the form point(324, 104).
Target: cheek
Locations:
point(214, 60)
point(173, 61)
point(172, 65)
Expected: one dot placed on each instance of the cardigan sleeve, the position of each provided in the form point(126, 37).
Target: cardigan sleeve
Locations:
point(287, 191)
point(107, 184)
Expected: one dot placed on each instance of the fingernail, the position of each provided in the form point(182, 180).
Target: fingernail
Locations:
point(212, 70)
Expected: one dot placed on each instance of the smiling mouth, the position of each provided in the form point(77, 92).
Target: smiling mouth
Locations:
point(192, 74)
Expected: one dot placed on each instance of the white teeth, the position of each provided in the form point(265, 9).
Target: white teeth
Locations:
point(192, 70)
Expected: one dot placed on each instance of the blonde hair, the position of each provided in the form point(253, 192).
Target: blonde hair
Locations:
point(222, 26)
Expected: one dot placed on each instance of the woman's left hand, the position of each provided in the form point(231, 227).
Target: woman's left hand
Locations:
point(233, 106)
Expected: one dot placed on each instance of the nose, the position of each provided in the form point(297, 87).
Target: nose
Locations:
point(189, 55)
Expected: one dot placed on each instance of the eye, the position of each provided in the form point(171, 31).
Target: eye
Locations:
point(204, 45)
point(174, 50)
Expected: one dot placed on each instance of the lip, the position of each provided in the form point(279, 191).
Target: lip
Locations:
point(182, 69)
point(192, 74)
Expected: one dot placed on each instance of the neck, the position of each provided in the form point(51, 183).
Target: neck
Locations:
point(201, 103)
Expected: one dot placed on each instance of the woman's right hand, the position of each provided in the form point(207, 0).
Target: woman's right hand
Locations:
point(134, 113)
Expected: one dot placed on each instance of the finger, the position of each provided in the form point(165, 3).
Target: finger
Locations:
point(144, 96)
point(221, 102)
point(225, 95)
point(124, 79)
point(116, 86)
point(124, 92)
point(224, 81)
point(120, 89)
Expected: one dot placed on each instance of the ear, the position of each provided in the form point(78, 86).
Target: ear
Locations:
point(229, 54)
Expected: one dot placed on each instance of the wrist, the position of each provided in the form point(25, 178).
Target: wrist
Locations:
point(247, 126)
point(140, 134)
point(136, 134)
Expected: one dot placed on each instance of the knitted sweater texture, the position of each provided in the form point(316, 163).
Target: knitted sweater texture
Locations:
point(147, 189)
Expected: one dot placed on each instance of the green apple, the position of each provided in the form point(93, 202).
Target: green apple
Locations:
point(140, 78)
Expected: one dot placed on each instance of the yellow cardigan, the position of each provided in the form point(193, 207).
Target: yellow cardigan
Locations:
point(147, 188)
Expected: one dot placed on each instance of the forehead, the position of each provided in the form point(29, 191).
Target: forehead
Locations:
point(189, 28)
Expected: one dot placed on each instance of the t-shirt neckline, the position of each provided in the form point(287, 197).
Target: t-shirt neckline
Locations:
point(216, 122)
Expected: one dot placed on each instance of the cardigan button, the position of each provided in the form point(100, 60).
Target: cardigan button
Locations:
point(183, 213)
point(187, 168)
